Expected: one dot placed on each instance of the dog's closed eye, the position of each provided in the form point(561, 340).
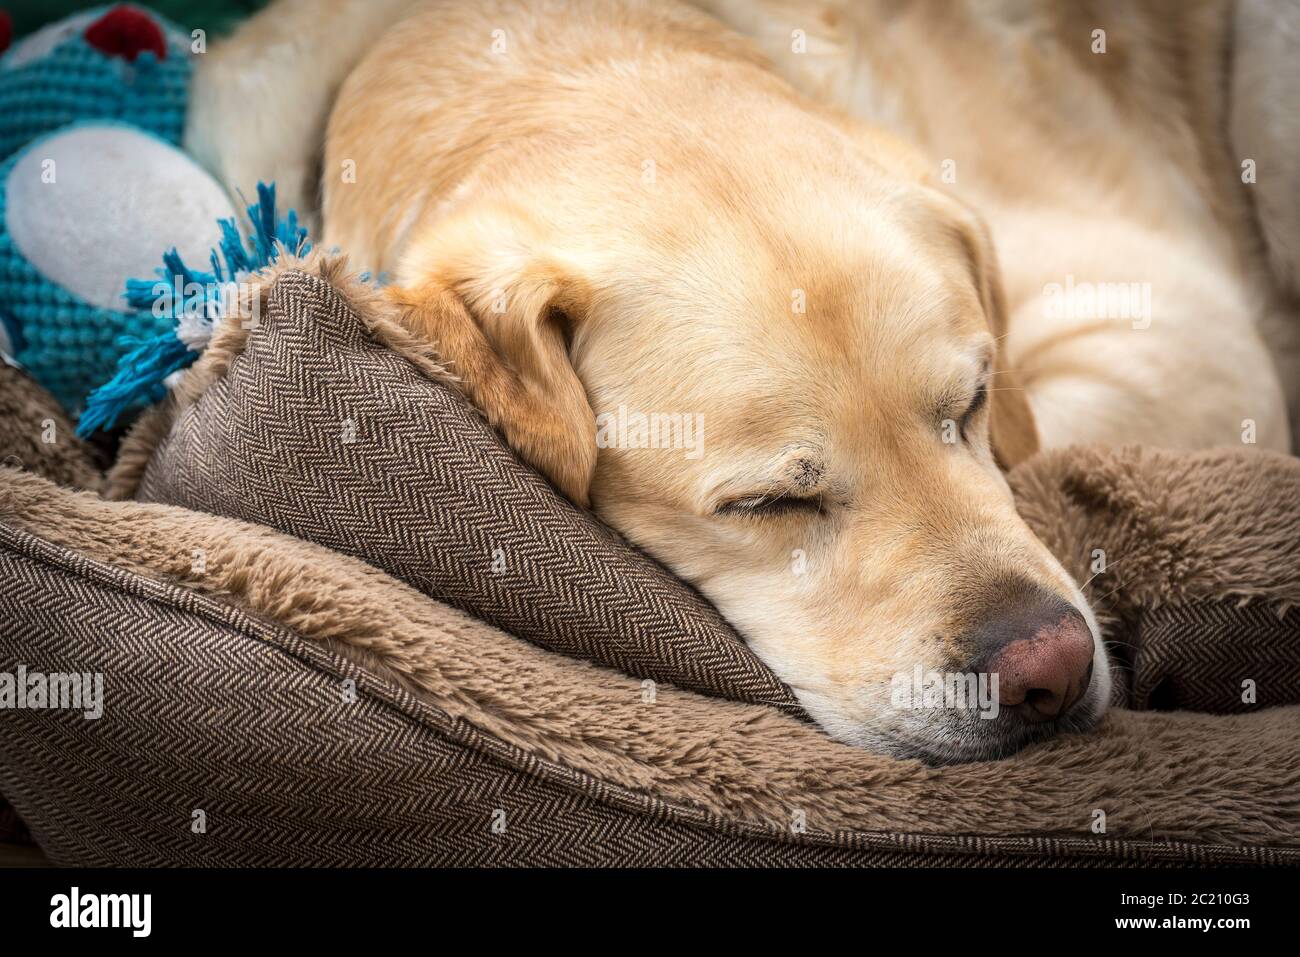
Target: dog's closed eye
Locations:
point(976, 405)
point(768, 506)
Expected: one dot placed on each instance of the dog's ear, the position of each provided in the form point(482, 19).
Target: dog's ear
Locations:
point(509, 349)
point(1011, 421)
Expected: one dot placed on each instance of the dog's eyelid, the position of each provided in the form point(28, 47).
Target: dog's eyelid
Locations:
point(977, 404)
point(793, 479)
point(771, 503)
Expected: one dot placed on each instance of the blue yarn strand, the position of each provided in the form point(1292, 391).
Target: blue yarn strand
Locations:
point(141, 373)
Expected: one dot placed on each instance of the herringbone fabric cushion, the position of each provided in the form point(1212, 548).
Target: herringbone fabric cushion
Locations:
point(320, 431)
point(227, 741)
point(1219, 657)
point(36, 436)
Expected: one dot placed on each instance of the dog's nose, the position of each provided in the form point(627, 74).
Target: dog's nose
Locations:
point(1042, 655)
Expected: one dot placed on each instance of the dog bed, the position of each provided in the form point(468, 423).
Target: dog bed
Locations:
point(345, 693)
point(332, 424)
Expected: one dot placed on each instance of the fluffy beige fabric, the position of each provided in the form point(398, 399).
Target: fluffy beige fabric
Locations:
point(1177, 526)
point(1163, 776)
point(36, 436)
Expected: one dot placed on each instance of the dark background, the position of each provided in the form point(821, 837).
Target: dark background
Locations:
point(215, 16)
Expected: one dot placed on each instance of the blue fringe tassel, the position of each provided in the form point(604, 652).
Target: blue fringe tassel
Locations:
point(142, 371)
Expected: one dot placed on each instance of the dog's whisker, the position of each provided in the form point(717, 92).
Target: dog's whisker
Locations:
point(1109, 593)
point(1108, 567)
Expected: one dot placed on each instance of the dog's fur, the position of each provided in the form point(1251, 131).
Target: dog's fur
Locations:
point(596, 205)
point(1105, 166)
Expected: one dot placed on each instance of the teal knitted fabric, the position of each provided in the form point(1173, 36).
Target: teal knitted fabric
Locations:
point(75, 81)
point(65, 343)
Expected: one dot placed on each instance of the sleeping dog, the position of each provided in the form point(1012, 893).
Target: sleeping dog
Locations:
point(617, 207)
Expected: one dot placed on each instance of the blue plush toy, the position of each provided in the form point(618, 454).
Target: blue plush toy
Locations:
point(93, 192)
point(110, 63)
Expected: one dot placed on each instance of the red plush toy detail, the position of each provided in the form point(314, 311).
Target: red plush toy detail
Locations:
point(127, 32)
point(6, 30)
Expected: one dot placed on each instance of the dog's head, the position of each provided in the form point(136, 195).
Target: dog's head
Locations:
point(780, 375)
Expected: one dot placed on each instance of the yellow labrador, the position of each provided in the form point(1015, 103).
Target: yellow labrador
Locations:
point(757, 337)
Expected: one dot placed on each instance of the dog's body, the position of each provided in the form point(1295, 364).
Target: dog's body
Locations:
point(1092, 139)
point(593, 206)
